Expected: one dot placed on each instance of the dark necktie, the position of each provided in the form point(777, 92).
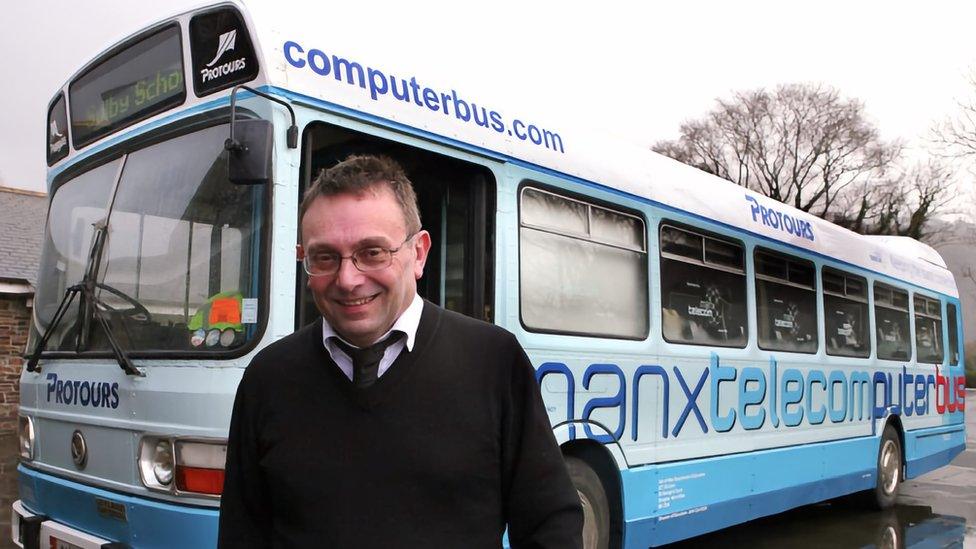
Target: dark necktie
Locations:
point(366, 361)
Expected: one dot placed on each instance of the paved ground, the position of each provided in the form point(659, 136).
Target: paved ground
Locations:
point(935, 510)
point(951, 490)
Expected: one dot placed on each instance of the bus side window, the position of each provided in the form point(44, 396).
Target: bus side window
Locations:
point(703, 289)
point(891, 321)
point(953, 334)
point(582, 267)
point(786, 301)
point(845, 314)
point(928, 330)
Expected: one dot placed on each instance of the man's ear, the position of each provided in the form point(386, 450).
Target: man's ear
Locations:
point(299, 252)
point(421, 247)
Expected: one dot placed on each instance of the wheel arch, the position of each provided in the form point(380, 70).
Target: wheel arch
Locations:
point(894, 421)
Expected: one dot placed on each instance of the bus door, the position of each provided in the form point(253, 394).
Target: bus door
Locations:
point(456, 201)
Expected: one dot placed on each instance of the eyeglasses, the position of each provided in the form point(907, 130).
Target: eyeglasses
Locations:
point(373, 258)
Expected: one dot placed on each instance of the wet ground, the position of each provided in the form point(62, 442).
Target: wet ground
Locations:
point(935, 510)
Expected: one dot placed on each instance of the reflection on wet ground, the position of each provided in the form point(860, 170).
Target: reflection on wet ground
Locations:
point(842, 524)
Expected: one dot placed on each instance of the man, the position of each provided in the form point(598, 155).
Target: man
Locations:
point(390, 422)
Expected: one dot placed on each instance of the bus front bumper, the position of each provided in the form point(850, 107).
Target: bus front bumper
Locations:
point(95, 517)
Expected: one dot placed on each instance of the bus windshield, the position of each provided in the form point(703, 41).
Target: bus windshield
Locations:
point(180, 270)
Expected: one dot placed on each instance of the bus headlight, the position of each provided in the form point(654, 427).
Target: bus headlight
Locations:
point(25, 430)
point(162, 462)
point(183, 467)
point(156, 463)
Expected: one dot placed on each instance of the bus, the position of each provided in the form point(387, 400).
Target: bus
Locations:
point(706, 355)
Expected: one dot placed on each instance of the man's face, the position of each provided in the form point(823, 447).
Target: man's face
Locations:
point(362, 306)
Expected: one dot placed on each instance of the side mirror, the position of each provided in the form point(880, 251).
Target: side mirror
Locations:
point(249, 152)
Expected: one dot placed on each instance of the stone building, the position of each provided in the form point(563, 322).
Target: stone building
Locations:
point(22, 215)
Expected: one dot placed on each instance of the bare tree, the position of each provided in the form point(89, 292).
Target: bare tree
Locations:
point(902, 204)
point(955, 137)
point(803, 145)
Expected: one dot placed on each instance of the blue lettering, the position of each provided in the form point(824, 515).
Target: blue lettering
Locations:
point(518, 125)
point(480, 120)
point(289, 46)
point(792, 396)
point(401, 95)
point(666, 391)
point(921, 398)
point(860, 392)
point(906, 380)
point(318, 61)
point(379, 87)
point(754, 207)
point(499, 126)
point(837, 415)
point(430, 99)
point(880, 411)
point(692, 404)
point(351, 77)
point(619, 400)
point(543, 371)
point(461, 109)
point(815, 417)
point(115, 395)
point(52, 384)
point(84, 393)
point(752, 397)
point(719, 374)
point(773, 414)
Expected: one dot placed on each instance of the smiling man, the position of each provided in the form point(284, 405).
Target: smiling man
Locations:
point(389, 422)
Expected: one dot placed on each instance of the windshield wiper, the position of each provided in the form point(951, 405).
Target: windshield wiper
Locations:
point(88, 301)
point(69, 296)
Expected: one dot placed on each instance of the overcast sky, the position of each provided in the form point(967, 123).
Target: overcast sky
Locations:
point(635, 70)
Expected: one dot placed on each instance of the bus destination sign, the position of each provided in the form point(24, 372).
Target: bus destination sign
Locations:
point(128, 86)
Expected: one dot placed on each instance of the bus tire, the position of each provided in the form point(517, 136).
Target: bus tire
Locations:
point(593, 498)
point(889, 470)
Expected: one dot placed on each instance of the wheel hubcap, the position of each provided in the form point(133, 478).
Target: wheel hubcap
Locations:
point(889, 467)
point(590, 534)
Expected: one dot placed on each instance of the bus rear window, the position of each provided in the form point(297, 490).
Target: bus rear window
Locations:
point(140, 81)
point(953, 335)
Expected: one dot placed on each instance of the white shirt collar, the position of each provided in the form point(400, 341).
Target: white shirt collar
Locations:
point(408, 323)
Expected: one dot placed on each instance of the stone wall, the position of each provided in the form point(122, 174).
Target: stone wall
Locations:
point(14, 326)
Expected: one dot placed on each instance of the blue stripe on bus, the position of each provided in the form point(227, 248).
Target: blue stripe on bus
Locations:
point(929, 449)
point(706, 494)
point(455, 143)
point(736, 511)
point(148, 523)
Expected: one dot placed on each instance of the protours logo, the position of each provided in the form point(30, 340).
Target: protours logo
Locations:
point(225, 44)
point(57, 139)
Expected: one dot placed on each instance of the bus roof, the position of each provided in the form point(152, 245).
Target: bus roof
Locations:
point(369, 77)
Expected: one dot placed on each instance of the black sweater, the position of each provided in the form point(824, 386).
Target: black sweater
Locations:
point(448, 447)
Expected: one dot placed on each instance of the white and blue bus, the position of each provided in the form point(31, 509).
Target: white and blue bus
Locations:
point(707, 356)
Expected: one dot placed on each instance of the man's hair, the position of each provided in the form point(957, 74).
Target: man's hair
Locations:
point(361, 174)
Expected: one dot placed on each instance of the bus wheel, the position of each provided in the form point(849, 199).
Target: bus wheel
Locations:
point(593, 498)
point(889, 469)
